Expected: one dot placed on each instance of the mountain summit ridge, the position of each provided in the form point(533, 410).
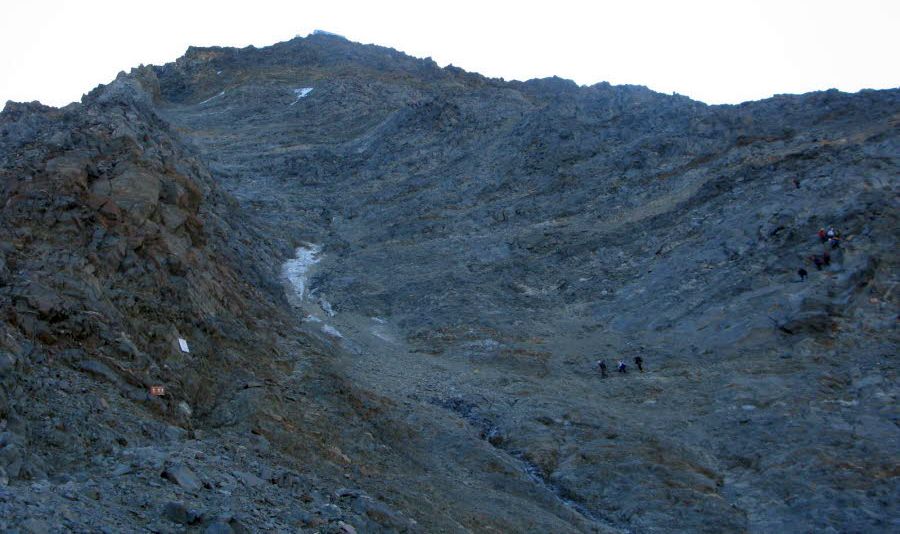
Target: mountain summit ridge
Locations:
point(396, 280)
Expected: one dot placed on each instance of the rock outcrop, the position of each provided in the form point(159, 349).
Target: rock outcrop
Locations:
point(127, 269)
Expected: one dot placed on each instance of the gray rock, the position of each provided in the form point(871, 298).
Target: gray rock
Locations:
point(100, 369)
point(349, 492)
point(184, 409)
point(305, 518)
point(17, 424)
point(122, 469)
point(330, 512)
point(236, 523)
point(147, 457)
point(178, 512)
point(180, 474)
point(7, 363)
point(379, 512)
point(11, 438)
point(218, 527)
point(12, 460)
point(35, 526)
point(248, 479)
point(174, 433)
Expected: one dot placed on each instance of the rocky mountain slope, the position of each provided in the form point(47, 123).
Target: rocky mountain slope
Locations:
point(395, 280)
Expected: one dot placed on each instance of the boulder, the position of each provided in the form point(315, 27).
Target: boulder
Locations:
point(178, 512)
point(135, 190)
point(180, 474)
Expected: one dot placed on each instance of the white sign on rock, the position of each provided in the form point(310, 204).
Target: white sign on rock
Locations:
point(183, 344)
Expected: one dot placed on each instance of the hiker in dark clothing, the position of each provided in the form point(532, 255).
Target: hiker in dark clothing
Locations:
point(818, 262)
point(823, 237)
point(803, 274)
point(835, 242)
point(622, 367)
point(640, 363)
point(601, 364)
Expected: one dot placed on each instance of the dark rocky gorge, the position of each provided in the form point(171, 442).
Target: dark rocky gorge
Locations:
point(393, 281)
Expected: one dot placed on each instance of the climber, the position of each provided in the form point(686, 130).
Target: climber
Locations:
point(835, 242)
point(822, 237)
point(622, 367)
point(831, 232)
point(803, 274)
point(640, 363)
point(601, 364)
point(817, 261)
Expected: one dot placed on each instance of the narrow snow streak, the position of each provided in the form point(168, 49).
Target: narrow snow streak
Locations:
point(295, 270)
point(210, 98)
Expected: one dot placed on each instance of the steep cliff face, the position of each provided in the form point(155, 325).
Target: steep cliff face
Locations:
point(124, 268)
point(466, 248)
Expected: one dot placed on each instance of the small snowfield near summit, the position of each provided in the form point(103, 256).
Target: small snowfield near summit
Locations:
point(300, 93)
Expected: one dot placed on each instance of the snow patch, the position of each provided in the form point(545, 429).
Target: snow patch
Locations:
point(295, 270)
point(484, 344)
point(331, 331)
point(300, 93)
point(326, 307)
point(379, 329)
point(381, 334)
point(210, 98)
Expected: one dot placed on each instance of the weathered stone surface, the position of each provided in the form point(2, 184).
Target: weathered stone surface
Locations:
point(35, 526)
point(218, 527)
point(248, 479)
point(177, 512)
point(136, 191)
point(183, 476)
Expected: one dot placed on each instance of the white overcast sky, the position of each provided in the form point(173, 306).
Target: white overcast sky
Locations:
point(724, 51)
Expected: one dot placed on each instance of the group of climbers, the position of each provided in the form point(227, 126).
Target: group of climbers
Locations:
point(622, 367)
point(830, 238)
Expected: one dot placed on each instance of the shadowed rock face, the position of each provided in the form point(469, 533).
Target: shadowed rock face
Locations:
point(479, 244)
